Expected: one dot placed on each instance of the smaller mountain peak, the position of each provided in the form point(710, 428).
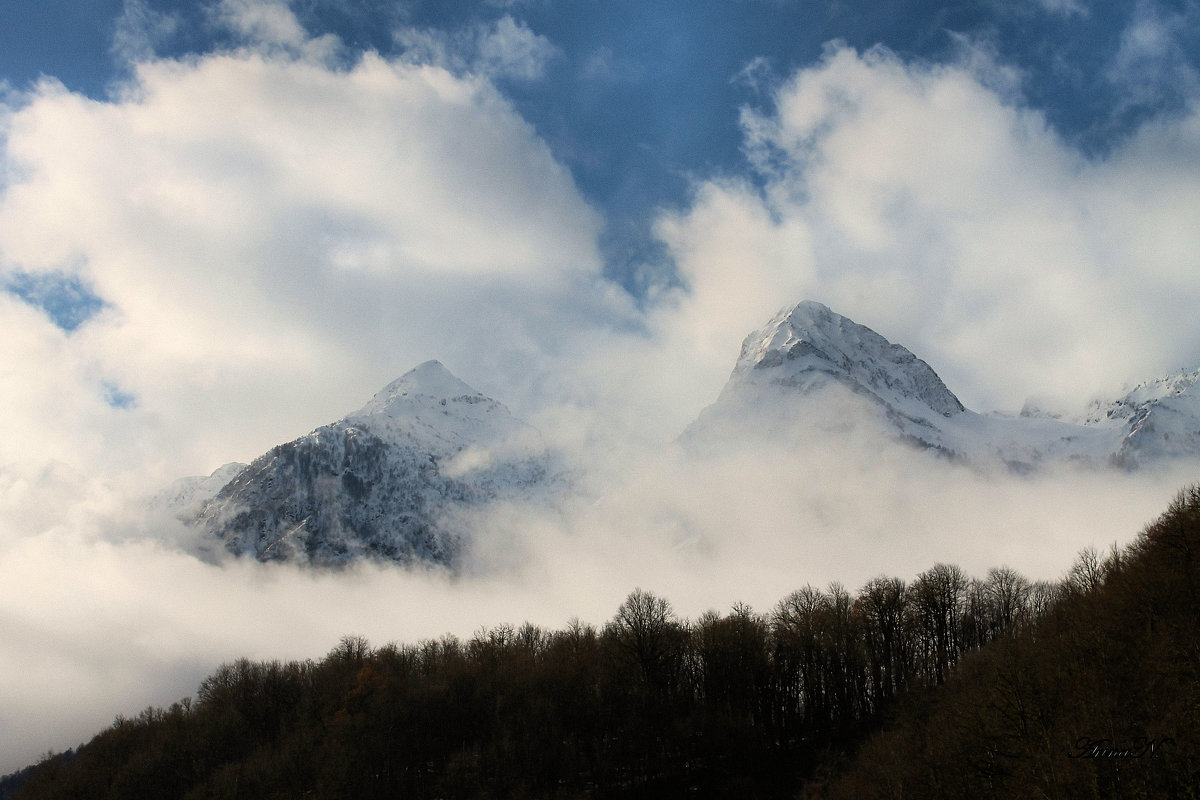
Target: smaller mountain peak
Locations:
point(433, 379)
point(430, 379)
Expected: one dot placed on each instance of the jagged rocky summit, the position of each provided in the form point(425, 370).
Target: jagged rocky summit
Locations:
point(389, 482)
point(811, 371)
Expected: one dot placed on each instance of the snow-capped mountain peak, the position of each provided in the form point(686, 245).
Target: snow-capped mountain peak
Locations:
point(388, 481)
point(1159, 419)
point(1179, 386)
point(430, 408)
point(808, 342)
point(429, 380)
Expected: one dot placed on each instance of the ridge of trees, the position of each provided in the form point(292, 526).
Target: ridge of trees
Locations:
point(944, 686)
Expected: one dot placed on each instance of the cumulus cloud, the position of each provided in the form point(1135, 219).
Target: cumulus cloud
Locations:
point(920, 201)
point(274, 233)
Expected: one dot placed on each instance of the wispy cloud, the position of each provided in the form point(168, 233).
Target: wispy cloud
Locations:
point(269, 24)
point(501, 49)
point(1065, 7)
point(140, 32)
point(1151, 66)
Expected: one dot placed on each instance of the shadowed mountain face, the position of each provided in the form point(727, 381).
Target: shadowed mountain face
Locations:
point(385, 482)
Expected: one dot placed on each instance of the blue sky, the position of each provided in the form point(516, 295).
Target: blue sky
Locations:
point(225, 223)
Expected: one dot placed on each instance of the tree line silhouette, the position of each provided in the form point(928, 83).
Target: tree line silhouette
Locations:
point(943, 686)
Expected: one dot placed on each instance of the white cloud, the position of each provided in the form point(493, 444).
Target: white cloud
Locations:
point(1065, 7)
point(270, 25)
point(276, 239)
point(140, 30)
point(510, 48)
point(918, 201)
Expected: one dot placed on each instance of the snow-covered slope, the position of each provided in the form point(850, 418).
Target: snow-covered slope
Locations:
point(385, 482)
point(185, 496)
point(811, 367)
point(1158, 420)
point(808, 344)
point(811, 371)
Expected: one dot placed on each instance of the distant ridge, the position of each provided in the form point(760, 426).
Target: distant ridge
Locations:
point(810, 368)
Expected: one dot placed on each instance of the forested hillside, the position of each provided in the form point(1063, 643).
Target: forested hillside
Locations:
point(946, 686)
point(1099, 699)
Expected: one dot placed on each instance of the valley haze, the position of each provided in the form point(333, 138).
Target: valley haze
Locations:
point(229, 223)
